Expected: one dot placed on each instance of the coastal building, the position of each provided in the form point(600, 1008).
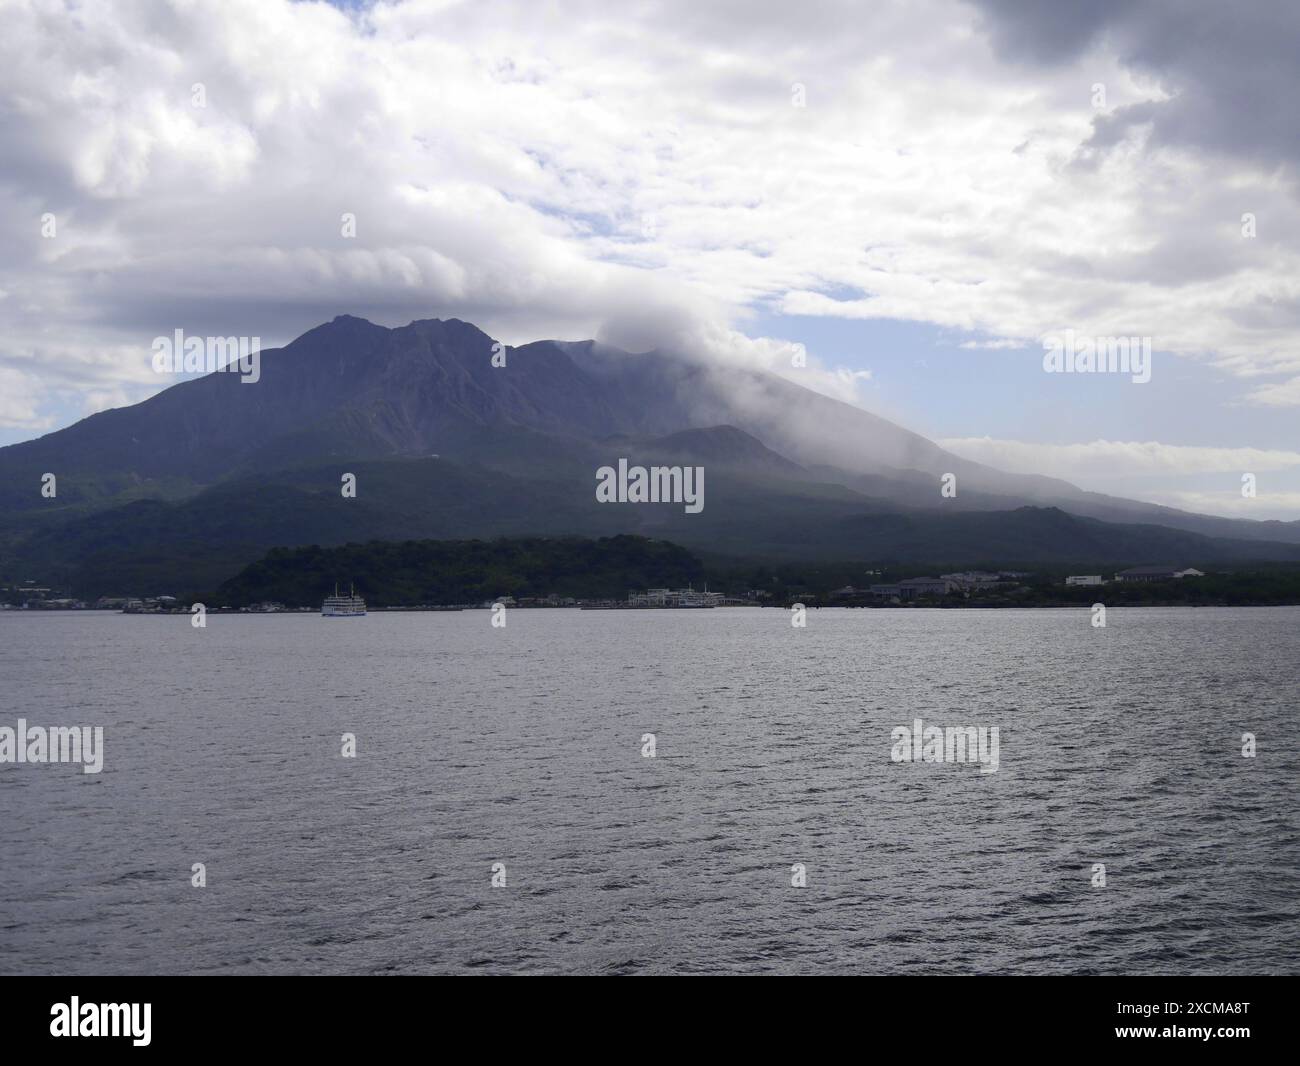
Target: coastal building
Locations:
point(152, 605)
point(60, 603)
point(1156, 573)
point(972, 579)
point(687, 597)
point(913, 588)
point(1083, 579)
point(554, 599)
point(925, 586)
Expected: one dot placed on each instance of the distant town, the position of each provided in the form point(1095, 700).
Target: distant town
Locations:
point(1170, 584)
point(968, 581)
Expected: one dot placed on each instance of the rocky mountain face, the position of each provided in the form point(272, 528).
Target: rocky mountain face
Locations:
point(454, 446)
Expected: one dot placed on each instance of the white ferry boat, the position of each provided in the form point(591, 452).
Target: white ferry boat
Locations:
point(349, 606)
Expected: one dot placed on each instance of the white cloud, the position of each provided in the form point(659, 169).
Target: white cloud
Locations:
point(1282, 394)
point(852, 377)
point(1117, 458)
point(1282, 505)
point(19, 398)
point(638, 174)
point(998, 345)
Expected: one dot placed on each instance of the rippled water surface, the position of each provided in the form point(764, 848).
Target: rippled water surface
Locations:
point(522, 746)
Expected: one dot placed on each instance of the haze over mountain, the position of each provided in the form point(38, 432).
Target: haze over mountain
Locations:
point(213, 471)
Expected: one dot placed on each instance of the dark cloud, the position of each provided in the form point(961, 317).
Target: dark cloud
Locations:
point(1229, 70)
point(1046, 33)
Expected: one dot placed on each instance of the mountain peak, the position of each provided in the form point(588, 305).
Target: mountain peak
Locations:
point(350, 388)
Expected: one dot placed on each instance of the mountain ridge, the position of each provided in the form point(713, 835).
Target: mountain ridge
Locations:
point(789, 469)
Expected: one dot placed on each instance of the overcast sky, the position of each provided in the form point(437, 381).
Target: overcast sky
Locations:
point(918, 192)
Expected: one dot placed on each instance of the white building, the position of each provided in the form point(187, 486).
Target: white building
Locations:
point(1156, 573)
point(913, 588)
point(972, 579)
point(1083, 579)
point(687, 597)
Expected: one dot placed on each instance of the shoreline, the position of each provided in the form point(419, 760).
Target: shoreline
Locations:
point(311, 611)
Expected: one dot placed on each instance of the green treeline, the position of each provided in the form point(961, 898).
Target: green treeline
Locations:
point(433, 572)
